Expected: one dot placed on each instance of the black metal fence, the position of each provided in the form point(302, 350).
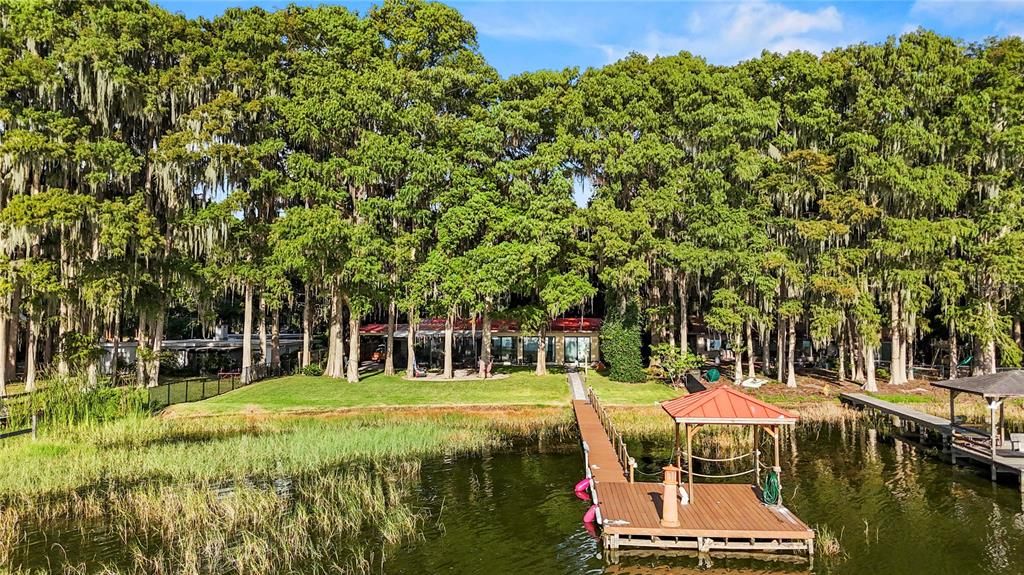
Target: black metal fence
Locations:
point(200, 388)
point(19, 415)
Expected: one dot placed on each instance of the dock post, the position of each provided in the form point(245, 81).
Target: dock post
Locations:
point(670, 497)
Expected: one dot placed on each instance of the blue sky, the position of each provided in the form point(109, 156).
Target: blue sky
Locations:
point(520, 36)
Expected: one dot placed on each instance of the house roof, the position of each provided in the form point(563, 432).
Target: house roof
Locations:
point(462, 326)
point(1001, 384)
point(726, 405)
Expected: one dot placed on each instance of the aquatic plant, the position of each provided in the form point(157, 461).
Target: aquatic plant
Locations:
point(340, 518)
point(827, 542)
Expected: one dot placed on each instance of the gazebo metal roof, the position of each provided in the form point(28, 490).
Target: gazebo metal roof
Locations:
point(990, 385)
point(725, 405)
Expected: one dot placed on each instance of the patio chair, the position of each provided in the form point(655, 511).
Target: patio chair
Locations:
point(1017, 442)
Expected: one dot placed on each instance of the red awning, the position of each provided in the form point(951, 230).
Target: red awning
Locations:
point(726, 405)
point(435, 325)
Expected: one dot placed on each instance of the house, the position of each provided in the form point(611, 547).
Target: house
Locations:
point(569, 341)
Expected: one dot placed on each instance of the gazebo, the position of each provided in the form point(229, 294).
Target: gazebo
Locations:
point(995, 389)
point(724, 405)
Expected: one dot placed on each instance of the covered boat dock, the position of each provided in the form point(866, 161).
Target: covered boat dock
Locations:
point(702, 516)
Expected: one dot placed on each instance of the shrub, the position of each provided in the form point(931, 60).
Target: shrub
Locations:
point(620, 349)
point(313, 370)
point(70, 401)
point(672, 363)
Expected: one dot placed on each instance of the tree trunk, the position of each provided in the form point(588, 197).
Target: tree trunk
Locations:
point(989, 355)
point(115, 349)
point(737, 348)
point(13, 326)
point(141, 346)
point(542, 350)
point(30, 354)
point(840, 348)
point(954, 351)
point(334, 366)
point(896, 374)
point(856, 357)
point(656, 321)
point(869, 368)
point(262, 331)
point(1017, 332)
point(353, 341)
point(275, 340)
point(48, 340)
point(247, 336)
point(750, 349)
point(158, 344)
point(5, 314)
point(389, 341)
point(791, 353)
point(766, 351)
point(485, 343)
point(307, 328)
point(670, 323)
point(684, 314)
point(410, 346)
point(908, 346)
point(449, 345)
point(780, 349)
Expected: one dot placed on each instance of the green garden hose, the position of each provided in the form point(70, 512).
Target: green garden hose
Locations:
point(770, 491)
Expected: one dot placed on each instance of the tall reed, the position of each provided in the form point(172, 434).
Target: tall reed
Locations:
point(343, 518)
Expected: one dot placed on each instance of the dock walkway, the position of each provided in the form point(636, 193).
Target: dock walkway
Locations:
point(959, 441)
point(728, 517)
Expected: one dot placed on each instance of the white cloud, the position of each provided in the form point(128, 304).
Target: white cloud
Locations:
point(729, 32)
point(766, 21)
point(531, 24)
point(965, 11)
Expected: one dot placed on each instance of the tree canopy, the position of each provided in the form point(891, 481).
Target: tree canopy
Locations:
point(316, 167)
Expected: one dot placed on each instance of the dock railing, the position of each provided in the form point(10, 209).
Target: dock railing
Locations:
point(628, 463)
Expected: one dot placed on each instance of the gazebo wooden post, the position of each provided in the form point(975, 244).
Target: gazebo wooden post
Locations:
point(678, 451)
point(992, 432)
point(1002, 422)
point(777, 468)
point(757, 454)
point(689, 462)
point(952, 424)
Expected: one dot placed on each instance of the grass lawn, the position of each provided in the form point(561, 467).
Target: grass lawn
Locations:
point(301, 392)
point(307, 393)
point(906, 398)
point(616, 393)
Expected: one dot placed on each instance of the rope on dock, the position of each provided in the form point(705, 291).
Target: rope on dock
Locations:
point(724, 459)
point(695, 474)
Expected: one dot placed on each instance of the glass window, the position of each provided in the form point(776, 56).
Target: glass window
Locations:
point(503, 349)
point(577, 349)
point(530, 345)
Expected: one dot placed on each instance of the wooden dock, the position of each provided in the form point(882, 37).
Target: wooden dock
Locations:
point(722, 517)
point(960, 442)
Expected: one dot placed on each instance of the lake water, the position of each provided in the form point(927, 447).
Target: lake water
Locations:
point(896, 510)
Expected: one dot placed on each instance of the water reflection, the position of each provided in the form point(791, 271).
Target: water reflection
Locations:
point(894, 508)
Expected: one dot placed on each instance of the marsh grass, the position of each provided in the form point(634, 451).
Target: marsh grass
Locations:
point(334, 520)
point(10, 529)
point(181, 450)
point(828, 543)
point(288, 494)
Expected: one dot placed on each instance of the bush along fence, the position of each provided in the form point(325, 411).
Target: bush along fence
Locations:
point(12, 426)
point(21, 414)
